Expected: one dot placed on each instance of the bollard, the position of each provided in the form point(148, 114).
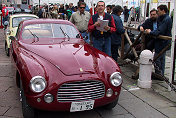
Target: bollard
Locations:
point(145, 69)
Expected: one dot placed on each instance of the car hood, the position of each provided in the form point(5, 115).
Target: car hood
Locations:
point(70, 58)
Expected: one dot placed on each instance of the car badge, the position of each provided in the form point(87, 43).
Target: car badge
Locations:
point(80, 69)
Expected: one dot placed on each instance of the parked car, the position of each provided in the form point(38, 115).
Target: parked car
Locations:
point(12, 27)
point(58, 71)
point(11, 10)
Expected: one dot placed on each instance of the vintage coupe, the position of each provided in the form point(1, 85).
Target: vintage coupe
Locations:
point(12, 27)
point(58, 71)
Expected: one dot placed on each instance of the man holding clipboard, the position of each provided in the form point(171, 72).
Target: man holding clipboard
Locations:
point(102, 25)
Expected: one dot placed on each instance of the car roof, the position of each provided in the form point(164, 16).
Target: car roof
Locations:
point(38, 21)
point(9, 7)
point(20, 15)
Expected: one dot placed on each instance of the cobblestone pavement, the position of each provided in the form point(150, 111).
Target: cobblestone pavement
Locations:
point(134, 102)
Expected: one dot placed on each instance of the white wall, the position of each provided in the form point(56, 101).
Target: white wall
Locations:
point(18, 1)
point(107, 2)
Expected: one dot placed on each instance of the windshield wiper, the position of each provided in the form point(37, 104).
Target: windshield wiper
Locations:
point(65, 34)
point(34, 35)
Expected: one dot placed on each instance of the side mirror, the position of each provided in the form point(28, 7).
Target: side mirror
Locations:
point(8, 32)
point(12, 38)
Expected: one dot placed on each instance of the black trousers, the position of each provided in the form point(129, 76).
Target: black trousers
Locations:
point(114, 51)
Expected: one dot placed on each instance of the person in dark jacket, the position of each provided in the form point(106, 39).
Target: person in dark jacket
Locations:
point(164, 28)
point(109, 9)
point(116, 36)
point(126, 14)
point(150, 23)
point(102, 39)
point(40, 12)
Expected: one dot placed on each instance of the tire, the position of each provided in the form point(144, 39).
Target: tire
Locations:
point(111, 105)
point(17, 79)
point(28, 111)
point(6, 49)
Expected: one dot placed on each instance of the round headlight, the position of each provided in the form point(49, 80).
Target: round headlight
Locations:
point(38, 84)
point(115, 79)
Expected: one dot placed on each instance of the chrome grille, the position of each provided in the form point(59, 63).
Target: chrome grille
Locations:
point(81, 91)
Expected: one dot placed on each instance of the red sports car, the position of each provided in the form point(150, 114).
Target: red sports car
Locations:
point(58, 71)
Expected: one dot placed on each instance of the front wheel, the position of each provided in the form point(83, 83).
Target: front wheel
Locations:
point(28, 111)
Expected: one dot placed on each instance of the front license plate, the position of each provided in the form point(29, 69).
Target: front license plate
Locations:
point(81, 106)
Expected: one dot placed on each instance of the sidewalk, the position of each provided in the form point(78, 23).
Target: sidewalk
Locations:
point(158, 97)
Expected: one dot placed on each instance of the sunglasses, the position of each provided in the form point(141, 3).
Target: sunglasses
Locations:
point(82, 7)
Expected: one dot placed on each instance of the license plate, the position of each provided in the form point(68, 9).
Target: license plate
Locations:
point(81, 106)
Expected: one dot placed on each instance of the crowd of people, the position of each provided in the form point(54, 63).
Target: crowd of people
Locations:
point(108, 40)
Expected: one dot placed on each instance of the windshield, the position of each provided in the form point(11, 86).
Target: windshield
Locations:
point(17, 20)
point(49, 31)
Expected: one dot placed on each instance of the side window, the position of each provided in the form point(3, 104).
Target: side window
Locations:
point(18, 31)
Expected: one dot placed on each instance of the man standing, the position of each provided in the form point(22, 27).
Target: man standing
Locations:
point(109, 9)
point(116, 36)
point(164, 28)
point(87, 7)
point(126, 14)
point(102, 39)
point(81, 19)
point(150, 23)
point(5, 13)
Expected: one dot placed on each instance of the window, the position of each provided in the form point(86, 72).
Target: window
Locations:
point(17, 20)
point(49, 31)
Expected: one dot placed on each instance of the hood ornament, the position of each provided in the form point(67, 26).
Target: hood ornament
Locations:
point(80, 69)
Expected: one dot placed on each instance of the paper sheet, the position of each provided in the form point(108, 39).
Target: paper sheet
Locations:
point(103, 23)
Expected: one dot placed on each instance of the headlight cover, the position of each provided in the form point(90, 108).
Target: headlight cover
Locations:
point(37, 84)
point(116, 79)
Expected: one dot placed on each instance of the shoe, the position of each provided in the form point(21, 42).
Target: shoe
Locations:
point(156, 78)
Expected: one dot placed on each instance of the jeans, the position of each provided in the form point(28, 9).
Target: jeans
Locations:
point(103, 44)
point(160, 63)
point(85, 36)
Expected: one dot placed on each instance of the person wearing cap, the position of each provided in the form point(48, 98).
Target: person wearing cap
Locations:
point(116, 36)
point(102, 39)
point(81, 19)
point(40, 12)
